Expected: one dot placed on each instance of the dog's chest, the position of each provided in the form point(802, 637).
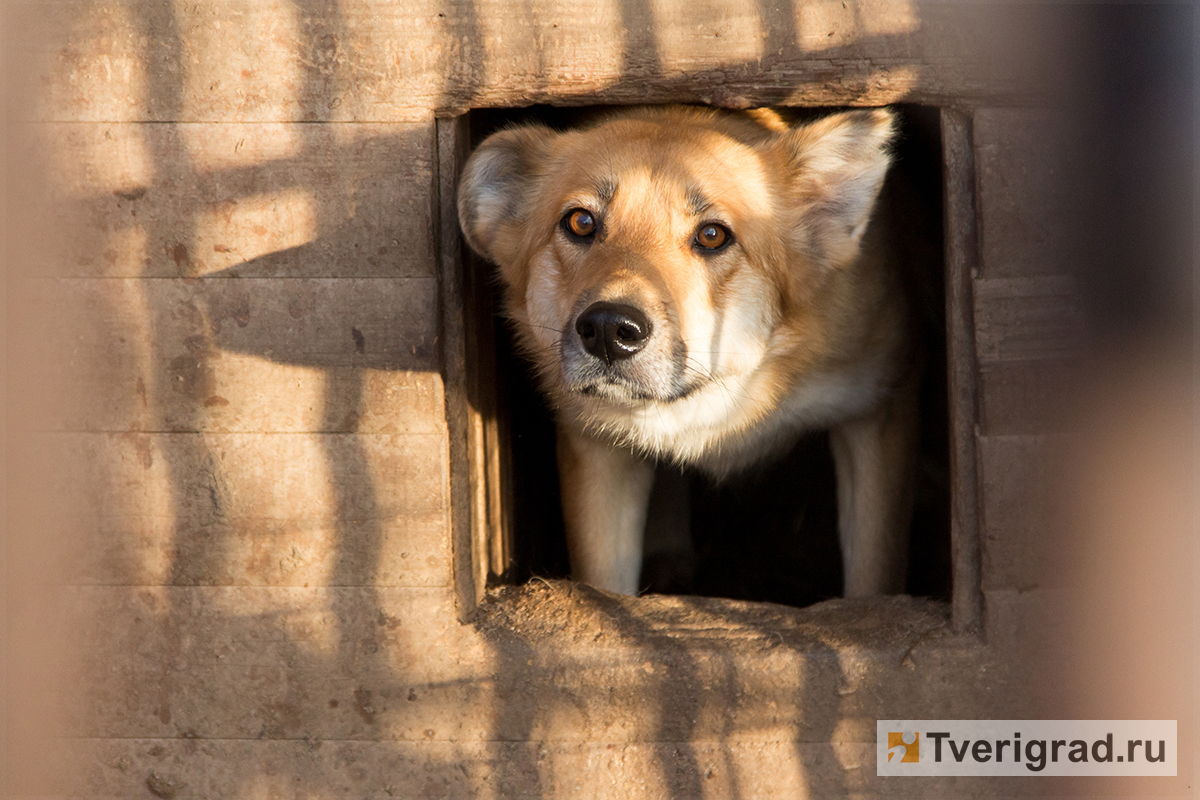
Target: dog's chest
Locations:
point(816, 403)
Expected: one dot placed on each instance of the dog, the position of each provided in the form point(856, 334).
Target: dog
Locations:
point(704, 287)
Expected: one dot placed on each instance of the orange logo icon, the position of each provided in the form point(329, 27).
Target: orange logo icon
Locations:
point(905, 745)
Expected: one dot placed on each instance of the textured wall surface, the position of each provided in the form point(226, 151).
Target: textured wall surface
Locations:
point(236, 301)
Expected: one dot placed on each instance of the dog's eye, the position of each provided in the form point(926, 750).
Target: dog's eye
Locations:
point(712, 236)
point(579, 222)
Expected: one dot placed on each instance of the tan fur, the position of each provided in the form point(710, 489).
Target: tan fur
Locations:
point(801, 322)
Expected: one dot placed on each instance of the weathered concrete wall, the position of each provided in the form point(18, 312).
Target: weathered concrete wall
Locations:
point(238, 303)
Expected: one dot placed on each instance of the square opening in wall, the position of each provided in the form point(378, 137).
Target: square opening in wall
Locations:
point(769, 529)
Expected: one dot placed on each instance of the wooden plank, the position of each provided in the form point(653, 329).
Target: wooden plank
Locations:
point(397, 550)
point(961, 262)
point(1027, 319)
point(453, 140)
point(238, 200)
point(146, 61)
point(1023, 192)
point(488, 460)
point(253, 354)
point(1025, 397)
point(1038, 628)
point(228, 476)
point(269, 662)
point(602, 770)
point(364, 61)
point(1023, 541)
point(251, 508)
point(495, 472)
point(479, 336)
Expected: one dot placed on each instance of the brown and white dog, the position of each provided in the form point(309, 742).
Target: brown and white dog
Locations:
point(705, 287)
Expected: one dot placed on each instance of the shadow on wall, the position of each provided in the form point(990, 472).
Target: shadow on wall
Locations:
point(289, 522)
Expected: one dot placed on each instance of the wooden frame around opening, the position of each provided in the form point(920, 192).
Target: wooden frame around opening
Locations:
point(481, 528)
point(961, 262)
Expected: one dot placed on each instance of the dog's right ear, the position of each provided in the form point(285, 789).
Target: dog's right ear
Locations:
point(495, 188)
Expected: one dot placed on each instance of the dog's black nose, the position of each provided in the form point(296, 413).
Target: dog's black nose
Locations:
point(612, 331)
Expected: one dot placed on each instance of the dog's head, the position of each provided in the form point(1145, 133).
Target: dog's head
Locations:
point(668, 251)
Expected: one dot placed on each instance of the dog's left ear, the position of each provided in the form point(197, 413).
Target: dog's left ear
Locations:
point(837, 167)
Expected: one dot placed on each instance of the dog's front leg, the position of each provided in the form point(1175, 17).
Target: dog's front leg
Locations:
point(605, 493)
point(875, 459)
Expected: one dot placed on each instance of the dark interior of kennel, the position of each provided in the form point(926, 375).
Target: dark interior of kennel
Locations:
point(767, 535)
